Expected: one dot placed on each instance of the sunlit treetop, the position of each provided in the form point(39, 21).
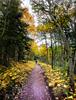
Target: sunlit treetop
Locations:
point(45, 27)
point(29, 19)
point(35, 48)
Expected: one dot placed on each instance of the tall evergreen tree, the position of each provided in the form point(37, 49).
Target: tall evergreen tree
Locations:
point(13, 32)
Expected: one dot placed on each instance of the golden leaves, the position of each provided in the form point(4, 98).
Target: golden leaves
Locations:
point(29, 19)
point(32, 29)
point(18, 73)
point(43, 50)
point(39, 50)
point(46, 27)
point(54, 78)
point(34, 48)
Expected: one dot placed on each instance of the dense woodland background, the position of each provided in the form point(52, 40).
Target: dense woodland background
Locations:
point(52, 41)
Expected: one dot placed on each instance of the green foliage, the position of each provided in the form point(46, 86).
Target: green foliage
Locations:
point(63, 17)
point(13, 32)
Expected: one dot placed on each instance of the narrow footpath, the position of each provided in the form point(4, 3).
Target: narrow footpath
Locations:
point(36, 88)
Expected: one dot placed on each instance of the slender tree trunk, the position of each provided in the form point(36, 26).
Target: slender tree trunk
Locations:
point(52, 58)
point(61, 54)
point(5, 59)
point(16, 53)
point(75, 63)
point(71, 70)
point(46, 47)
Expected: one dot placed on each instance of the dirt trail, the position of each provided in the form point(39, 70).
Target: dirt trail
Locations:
point(36, 88)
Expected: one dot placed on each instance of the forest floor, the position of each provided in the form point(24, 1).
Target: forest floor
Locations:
point(14, 78)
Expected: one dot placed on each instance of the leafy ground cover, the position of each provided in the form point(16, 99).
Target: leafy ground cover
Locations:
point(15, 76)
point(58, 80)
point(12, 78)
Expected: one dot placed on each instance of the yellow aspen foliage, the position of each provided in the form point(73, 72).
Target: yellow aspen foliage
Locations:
point(32, 29)
point(43, 50)
point(29, 19)
point(35, 48)
point(46, 27)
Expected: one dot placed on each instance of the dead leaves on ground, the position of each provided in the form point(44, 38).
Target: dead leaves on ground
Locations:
point(18, 73)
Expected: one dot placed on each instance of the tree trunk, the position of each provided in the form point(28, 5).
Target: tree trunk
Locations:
point(52, 58)
point(5, 59)
point(71, 70)
point(46, 47)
